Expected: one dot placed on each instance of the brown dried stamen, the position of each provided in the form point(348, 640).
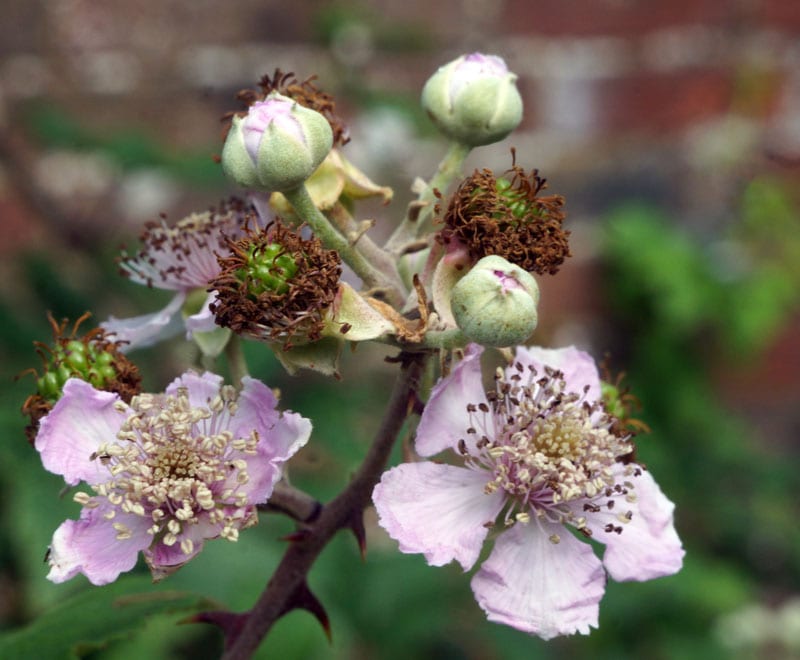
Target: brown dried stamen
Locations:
point(94, 357)
point(305, 93)
point(509, 218)
point(289, 315)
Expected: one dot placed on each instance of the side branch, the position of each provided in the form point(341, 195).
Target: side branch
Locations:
point(342, 512)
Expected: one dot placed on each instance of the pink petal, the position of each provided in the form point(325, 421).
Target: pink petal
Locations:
point(445, 419)
point(648, 546)
point(203, 321)
point(160, 556)
point(148, 329)
point(90, 546)
point(289, 434)
point(82, 420)
point(579, 368)
point(540, 587)
point(438, 510)
point(280, 437)
point(201, 388)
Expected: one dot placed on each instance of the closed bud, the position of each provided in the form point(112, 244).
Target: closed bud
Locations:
point(473, 99)
point(277, 145)
point(495, 304)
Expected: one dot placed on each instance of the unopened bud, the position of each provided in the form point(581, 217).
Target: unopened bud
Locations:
point(473, 99)
point(277, 145)
point(495, 303)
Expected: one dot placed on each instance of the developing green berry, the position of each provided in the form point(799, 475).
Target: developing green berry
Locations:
point(267, 269)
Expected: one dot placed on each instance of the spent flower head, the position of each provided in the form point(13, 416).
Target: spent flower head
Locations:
point(93, 356)
point(540, 461)
point(276, 286)
point(473, 99)
point(508, 216)
point(165, 472)
point(180, 258)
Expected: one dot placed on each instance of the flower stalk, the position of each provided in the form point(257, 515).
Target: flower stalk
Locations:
point(370, 274)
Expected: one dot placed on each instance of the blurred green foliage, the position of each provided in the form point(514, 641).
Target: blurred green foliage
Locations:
point(129, 149)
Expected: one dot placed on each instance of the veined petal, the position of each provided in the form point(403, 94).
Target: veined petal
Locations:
point(148, 329)
point(281, 435)
point(82, 420)
point(438, 510)
point(445, 419)
point(578, 367)
point(540, 587)
point(202, 389)
point(90, 546)
point(648, 546)
point(257, 409)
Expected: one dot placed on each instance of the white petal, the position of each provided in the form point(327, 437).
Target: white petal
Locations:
point(201, 388)
point(148, 329)
point(648, 546)
point(540, 587)
point(438, 510)
point(82, 420)
point(445, 419)
point(203, 321)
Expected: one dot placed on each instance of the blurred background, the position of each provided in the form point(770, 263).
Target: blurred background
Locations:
point(672, 127)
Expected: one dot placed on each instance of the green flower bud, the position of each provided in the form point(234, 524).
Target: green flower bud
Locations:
point(473, 99)
point(277, 145)
point(495, 303)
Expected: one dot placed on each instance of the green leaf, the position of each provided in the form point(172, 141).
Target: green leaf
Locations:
point(94, 618)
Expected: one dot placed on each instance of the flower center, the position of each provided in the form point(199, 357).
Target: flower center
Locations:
point(175, 464)
point(547, 449)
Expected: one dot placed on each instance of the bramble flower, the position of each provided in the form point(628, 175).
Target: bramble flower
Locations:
point(183, 259)
point(166, 471)
point(543, 466)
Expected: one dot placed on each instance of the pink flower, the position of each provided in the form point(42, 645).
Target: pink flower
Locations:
point(539, 455)
point(183, 259)
point(167, 471)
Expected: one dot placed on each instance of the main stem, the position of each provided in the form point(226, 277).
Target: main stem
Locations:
point(339, 513)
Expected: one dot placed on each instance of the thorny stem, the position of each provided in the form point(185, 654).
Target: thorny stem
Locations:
point(338, 514)
point(415, 225)
point(371, 274)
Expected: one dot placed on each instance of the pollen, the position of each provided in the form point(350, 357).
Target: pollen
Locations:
point(175, 465)
point(550, 451)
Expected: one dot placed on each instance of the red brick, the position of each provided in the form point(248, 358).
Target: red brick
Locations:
point(612, 17)
point(783, 15)
point(663, 101)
